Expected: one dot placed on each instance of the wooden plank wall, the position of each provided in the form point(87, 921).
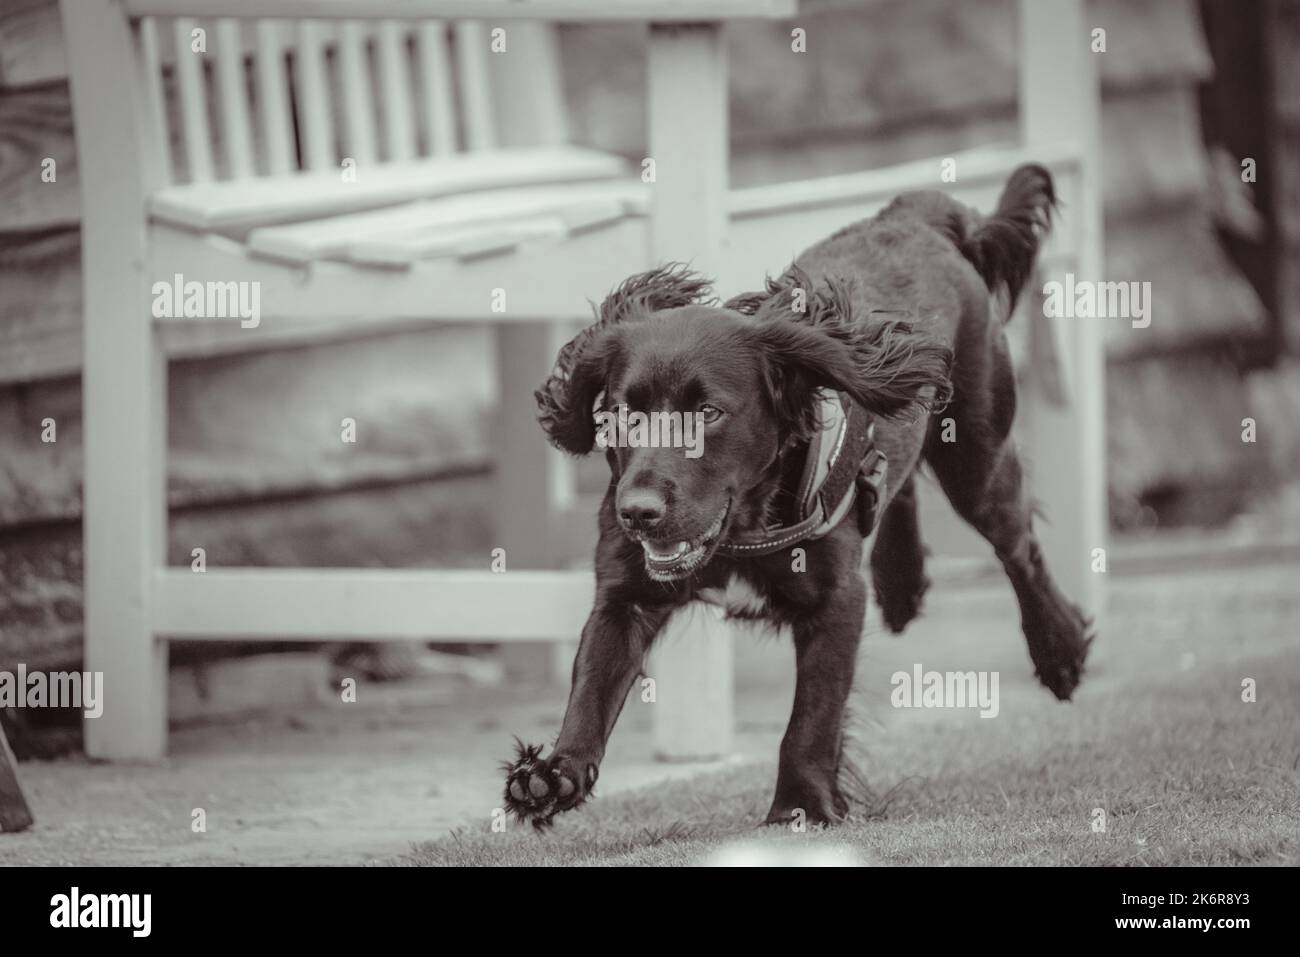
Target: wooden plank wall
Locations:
point(40, 298)
point(1284, 21)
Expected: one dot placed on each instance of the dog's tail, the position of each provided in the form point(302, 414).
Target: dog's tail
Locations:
point(1004, 246)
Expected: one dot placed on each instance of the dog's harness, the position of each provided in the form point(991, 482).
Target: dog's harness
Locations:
point(841, 466)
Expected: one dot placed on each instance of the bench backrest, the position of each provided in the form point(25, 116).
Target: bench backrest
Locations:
point(230, 99)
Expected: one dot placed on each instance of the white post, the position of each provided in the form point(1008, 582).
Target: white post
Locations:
point(123, 384)
point(533, 484)
point(693, 669)
point(1060, 101)
point(687, 84)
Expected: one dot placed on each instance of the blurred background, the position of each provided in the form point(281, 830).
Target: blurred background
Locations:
point(255, 469)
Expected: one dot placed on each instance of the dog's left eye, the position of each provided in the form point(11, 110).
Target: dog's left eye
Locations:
point(711, 413)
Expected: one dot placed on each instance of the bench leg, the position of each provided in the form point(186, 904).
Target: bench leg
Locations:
point(533, 484)
point(124, 400)
point(124, 395)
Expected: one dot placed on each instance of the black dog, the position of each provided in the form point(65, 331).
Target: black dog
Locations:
point(804, 391)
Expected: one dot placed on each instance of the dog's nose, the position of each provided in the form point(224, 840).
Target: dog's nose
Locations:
point(641, 509)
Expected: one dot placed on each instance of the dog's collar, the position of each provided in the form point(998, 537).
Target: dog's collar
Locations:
point(841, 466)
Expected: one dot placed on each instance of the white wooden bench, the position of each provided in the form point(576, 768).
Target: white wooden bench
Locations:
point(442, 212)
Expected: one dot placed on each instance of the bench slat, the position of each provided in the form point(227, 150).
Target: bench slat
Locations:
point(571, 11)
point(395, 78)
point(360, 141)
point(233, 97)
point(436, 87)
point(582, 205)
point(192, 89)
point(475, 86)
point(235, 208)
point(314, 103)
point(155, 105)
point(400, 247)
point(436, 289)
point(273, 98)
point(469, 240)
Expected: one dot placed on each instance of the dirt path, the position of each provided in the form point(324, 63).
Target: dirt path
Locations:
point(341, 784)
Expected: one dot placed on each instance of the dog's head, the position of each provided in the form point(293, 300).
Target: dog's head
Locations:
point(694, 402)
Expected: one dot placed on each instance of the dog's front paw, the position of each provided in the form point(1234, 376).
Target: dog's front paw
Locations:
point(539, 788)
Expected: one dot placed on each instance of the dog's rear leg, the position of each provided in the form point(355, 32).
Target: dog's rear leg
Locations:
point(610, 656)
point(985, 487)
point(898, 560)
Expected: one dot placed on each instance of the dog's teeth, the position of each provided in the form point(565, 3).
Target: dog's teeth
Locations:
point(678, 550)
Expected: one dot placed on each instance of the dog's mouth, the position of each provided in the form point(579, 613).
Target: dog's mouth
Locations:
point(671, 560)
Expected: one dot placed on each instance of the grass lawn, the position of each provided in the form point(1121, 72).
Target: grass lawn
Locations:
point(1158, 736)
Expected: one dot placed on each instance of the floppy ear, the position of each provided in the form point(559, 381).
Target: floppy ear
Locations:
point(566, 399)
point(884, 366)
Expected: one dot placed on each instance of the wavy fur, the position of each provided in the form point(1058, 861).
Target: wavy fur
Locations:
point(886, 367)
point(565, 399)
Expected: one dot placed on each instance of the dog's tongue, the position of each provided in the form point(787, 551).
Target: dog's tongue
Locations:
point(676, 551)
